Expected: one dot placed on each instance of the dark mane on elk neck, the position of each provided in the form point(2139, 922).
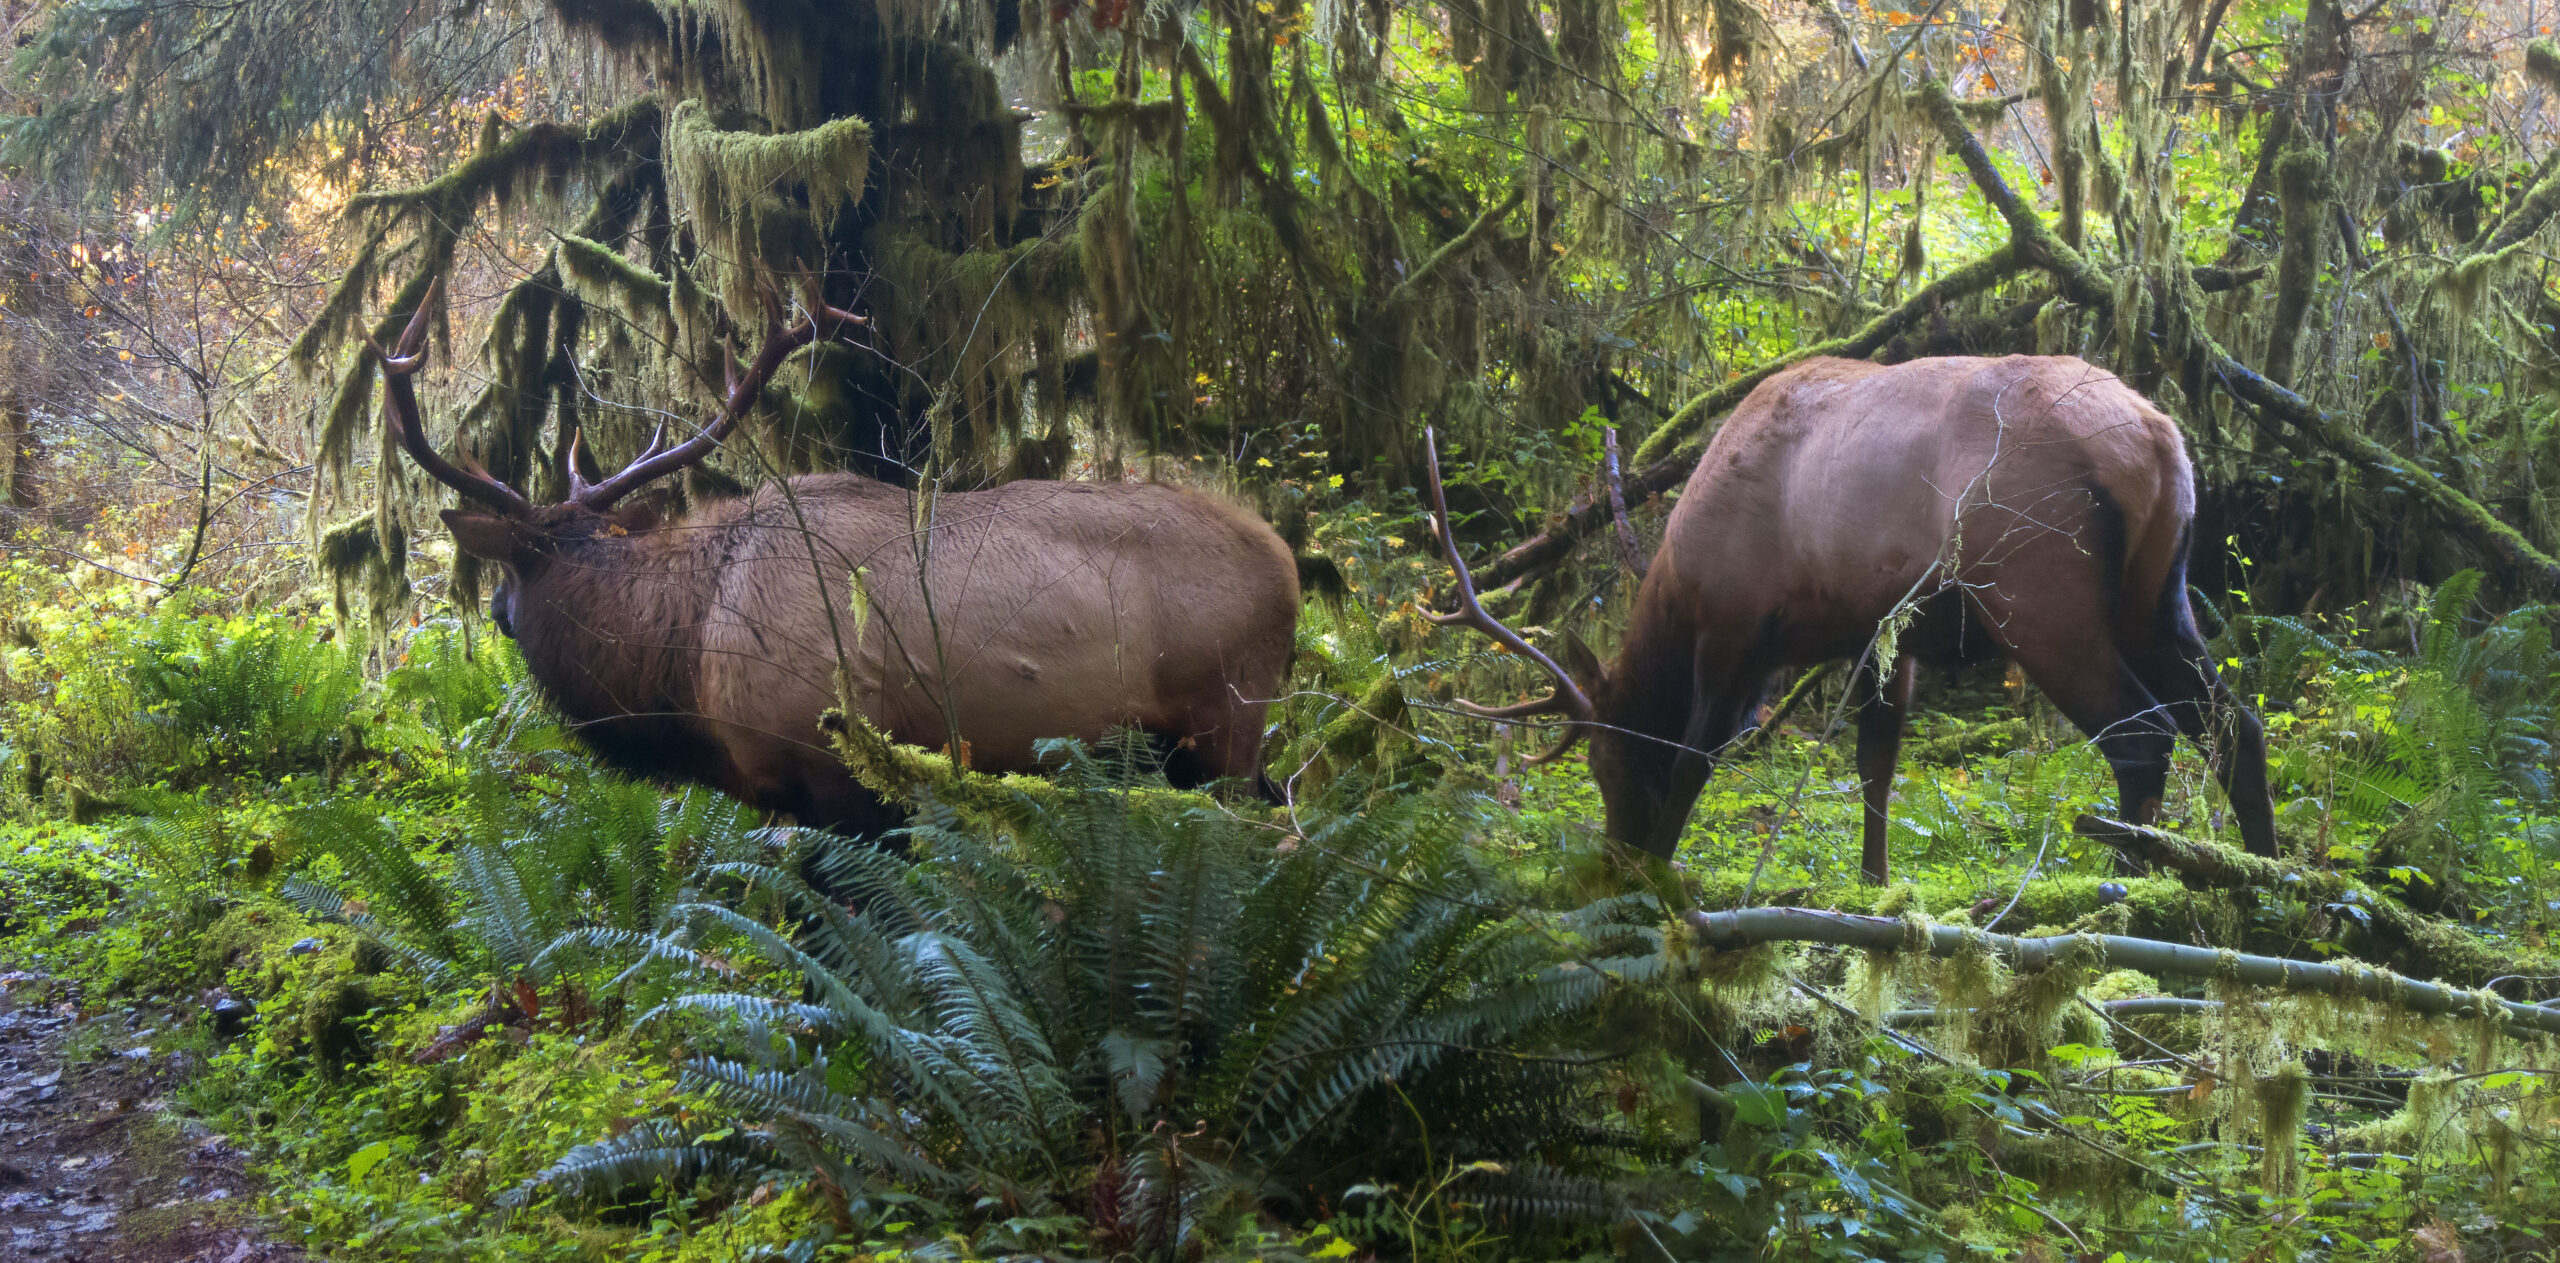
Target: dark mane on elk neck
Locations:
point(610, 626)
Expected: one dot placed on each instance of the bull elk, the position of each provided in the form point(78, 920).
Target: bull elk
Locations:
point(705, 647)
point(2029, 507)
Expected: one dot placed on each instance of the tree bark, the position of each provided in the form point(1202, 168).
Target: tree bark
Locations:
point(17, 456)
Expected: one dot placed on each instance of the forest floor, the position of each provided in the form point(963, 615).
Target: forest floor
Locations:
point(94, 1168)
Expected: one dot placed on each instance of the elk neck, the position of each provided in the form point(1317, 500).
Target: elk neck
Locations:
point(611, 629)
point(1652, 686)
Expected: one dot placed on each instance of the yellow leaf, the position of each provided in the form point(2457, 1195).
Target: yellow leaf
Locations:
point(1263, 461)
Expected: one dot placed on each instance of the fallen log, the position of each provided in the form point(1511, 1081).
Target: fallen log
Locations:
point(2416, 939)
point(1750, 927)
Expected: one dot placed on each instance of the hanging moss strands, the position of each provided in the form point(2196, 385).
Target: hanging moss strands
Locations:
point(358, 551)
point(763, 201)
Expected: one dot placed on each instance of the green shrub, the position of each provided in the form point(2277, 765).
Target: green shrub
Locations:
point(1137, 1021)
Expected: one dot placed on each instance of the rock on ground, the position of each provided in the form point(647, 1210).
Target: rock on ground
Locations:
point(93, 1168)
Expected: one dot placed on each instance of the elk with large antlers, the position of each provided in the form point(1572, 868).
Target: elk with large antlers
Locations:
point(705, 647)
point(1944, 510)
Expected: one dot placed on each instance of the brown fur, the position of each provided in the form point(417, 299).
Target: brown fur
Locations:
point(2034, 508)
point(703, 649)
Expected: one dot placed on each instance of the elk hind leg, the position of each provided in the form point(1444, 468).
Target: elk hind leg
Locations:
point(2178, 669)
point(1221, 747)
point(2077, 666)
point(1884, 701)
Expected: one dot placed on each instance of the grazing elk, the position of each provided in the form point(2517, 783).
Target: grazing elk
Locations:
point(705, 647)
point(1944, 510)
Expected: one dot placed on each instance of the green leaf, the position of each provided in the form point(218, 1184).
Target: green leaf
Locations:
point(367, 1158)
point(1756, 1105)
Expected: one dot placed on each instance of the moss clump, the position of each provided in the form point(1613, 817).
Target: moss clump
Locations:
point(600, 276)
point(360, 551)
point(1373, 732)
point(2542, 63)
point(732, 183)
point(2123, 984)
point(243, 939)
point(2019, 1022)
point(2282, 1097)
point(316, 997)
point(2151, 906)
point(334, 1005)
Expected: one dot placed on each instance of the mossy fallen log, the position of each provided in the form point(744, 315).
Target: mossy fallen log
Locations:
point(1971, 741)
point(2409, 939)
point(1751, 927)
point(2138, 1006)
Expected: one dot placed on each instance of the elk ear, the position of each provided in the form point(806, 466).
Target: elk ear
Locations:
point(1584, 665)
point(482, 535)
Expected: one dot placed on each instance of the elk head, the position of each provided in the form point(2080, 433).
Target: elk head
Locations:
point(497, 524)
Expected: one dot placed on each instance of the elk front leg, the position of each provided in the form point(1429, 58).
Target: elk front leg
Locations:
point(1884, 700)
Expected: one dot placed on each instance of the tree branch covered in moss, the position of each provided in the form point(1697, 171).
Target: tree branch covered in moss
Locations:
point(2274, 404)
point(2409, 939)
point(1751, 927)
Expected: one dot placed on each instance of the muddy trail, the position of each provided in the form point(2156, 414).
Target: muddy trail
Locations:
point(94, 1168)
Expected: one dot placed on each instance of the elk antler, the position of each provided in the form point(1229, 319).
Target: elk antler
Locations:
point(1568, 700)
point(660, 460)
point(400, 412)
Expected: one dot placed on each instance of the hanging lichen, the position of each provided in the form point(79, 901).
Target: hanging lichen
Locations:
point(2281, 1098)
point(763, 203)
point(357, 551)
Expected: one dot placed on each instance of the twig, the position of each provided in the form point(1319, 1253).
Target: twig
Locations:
point(1627, 544)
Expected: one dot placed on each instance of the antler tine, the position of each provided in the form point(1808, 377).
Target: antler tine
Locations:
point(578, 484)
point(400, 416)
point(835, 320)
point(779, 343)
point(412, 343)
point(1568, 700)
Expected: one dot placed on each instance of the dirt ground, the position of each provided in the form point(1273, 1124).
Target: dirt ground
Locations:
point(93, 1167)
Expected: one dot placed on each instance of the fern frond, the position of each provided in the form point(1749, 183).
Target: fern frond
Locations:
point(650, 1154)
point(362, 839)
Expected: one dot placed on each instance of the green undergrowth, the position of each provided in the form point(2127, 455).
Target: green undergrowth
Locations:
point(479, 999)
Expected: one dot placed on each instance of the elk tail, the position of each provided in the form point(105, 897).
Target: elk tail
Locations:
point(2175, 613)
point(2155, 539)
